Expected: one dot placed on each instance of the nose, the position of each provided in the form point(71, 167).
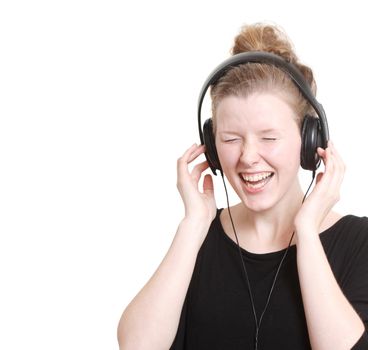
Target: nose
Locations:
point(250, 154)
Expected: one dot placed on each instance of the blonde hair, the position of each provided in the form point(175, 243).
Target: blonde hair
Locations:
point(248, 78)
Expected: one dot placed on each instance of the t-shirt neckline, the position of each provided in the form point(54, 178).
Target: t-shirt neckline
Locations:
point(274, 253)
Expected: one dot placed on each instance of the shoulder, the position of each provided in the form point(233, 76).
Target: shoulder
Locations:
point(331, 219)
point(353, 223)
point(213, 233)
point(335, 221)
point(346, 233)
point(346, 246)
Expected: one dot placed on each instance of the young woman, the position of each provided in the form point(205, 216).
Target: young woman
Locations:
point(274, 271)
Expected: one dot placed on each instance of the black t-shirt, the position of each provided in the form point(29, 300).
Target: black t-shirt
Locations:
point(217, 313)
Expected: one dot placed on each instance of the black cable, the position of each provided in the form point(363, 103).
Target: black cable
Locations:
point(242, 260)
point(258, 322)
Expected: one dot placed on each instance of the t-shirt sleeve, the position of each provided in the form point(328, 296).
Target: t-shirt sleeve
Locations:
point(362, 343)
point(356, 287)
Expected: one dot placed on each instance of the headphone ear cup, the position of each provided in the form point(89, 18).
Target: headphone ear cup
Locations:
point(311, 140)
point(209, 142)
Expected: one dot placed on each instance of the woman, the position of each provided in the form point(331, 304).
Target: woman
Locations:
point(270, 272)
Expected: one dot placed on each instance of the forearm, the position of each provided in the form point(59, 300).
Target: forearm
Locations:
point(150, 321)
point(332, 321)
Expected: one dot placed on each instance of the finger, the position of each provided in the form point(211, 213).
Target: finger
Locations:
point(321, 152)
point(330, 182)
point(189, 155)
point(324, 180)
point(193, 151)
point(328, 162)
point(335, 158)
point(198, 170)
point(198, 151)
point(339, 168)
point(208, 184)
point(339, 161)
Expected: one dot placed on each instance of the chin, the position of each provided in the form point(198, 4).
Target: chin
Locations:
point(259, 206)
point(264, 200)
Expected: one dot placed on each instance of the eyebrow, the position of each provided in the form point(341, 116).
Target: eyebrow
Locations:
point(266, 131)
point(263, 131)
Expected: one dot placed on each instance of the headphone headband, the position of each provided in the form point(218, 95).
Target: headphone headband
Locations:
point(267, 58)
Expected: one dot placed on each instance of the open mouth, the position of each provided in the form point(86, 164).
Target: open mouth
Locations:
point(256, 181)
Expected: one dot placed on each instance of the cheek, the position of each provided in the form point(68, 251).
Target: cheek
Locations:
point(287, 156)
point(226, 153)
point(228, 156)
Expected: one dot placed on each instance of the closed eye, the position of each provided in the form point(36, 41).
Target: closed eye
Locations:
point(230, 140)
point(269, 138)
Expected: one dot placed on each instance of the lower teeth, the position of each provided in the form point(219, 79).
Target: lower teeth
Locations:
point(257, 184)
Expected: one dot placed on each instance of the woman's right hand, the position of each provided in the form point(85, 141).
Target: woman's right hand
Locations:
point(199, 205)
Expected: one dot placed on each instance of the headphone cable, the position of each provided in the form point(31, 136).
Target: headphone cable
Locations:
point(258, 322)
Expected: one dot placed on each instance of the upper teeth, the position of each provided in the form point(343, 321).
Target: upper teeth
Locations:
point(256, 177)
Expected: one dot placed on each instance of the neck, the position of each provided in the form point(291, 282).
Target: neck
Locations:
point(270, 229)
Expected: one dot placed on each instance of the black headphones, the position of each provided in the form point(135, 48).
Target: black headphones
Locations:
point(314, 131)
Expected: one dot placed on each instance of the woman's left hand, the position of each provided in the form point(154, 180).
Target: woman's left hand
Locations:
point(325, 194)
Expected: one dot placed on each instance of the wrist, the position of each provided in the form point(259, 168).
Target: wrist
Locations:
point(307, 233)
point(196, 223)
point(194, 229)
point(199, 218)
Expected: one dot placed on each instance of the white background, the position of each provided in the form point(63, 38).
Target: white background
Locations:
point(97, 101)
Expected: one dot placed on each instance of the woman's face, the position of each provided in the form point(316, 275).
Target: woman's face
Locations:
point(258, 143)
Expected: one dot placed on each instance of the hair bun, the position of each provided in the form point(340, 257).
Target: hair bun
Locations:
point(270, 38)
point(263, 37)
